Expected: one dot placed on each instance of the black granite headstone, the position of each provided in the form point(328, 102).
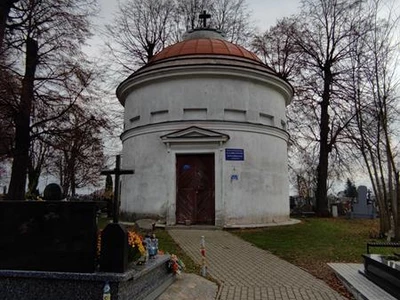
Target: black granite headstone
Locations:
point(384, 271)
point(48, 236)
point(114, 249)
point(52, 192)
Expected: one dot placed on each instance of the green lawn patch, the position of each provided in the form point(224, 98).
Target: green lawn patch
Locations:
point(328, 240)
point(168, 245)
point(102, 222)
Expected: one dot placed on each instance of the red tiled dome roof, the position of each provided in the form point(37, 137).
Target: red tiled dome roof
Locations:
point(204, 46)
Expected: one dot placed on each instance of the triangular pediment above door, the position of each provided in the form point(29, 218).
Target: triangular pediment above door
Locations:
point(195, 134)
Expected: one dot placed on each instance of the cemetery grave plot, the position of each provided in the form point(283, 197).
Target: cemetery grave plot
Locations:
point(48, 236)
point(49, 251)
point(383, 270)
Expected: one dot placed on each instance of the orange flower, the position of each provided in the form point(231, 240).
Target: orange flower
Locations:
point(134, 241)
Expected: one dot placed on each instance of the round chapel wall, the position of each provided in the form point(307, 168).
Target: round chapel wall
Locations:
point(208, 143)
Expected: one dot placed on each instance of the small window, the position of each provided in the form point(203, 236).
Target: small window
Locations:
point(195, 113)
point(266, 119)
point(159, 116)
point(235, 115)
point(134, 119)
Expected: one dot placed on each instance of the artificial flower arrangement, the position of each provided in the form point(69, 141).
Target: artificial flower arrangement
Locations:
point(175, 265)
point(136, 248)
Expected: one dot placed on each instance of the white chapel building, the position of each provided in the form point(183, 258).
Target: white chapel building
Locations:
point(205, 132)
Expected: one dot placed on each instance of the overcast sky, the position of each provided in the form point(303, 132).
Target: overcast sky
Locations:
point(264, 12)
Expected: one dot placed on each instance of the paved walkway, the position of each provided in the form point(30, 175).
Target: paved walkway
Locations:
point(249, 273)
point(189, 286)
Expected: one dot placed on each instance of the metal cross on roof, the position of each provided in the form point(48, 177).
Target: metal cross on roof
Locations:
point(204, 16)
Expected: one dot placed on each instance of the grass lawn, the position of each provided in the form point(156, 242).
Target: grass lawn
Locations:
point(167, 244)
point(328, 240)
point(315, 242)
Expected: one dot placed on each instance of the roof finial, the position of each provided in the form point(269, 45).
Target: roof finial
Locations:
point(204, 16)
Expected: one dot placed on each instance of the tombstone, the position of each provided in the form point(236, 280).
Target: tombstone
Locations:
point(48, 236)
point(53, 192)
point(114, 249)
point(48, 250)
point(362, 208)
point(335, 213)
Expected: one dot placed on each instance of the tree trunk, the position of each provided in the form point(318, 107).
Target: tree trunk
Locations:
point(64, 174)
point(71, 172)
point(73, 182)
point(321, 193)
point(384, 217)
point(397, 217)
point(33, 181)
point(16, 190)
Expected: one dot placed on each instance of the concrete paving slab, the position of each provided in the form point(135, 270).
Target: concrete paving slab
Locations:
point(190, 287)
point(147, 224)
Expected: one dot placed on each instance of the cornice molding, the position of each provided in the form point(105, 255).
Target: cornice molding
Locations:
point(214, 126)
point(242, 70)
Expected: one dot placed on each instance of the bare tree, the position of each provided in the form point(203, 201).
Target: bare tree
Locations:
point(374, 132)
point(312, 50)
point(303, 166)
point(40, 153)
point(79, 151)
point(48, 36)
point(16, 189)
point(9, 90)
point(141, 28)
point(277, 48)
point(326, 34)
point(233, 18)
point(5, 8)
point(303, 172)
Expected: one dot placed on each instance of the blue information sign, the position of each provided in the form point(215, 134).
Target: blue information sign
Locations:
point(234, 154)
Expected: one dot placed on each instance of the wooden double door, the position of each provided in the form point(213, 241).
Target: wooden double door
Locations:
point(195, 186)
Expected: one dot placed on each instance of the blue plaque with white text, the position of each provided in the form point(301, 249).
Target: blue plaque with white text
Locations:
point(234, 154)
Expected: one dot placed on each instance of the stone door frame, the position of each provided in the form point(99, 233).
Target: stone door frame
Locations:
point(195, 140)
point(195, 193)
